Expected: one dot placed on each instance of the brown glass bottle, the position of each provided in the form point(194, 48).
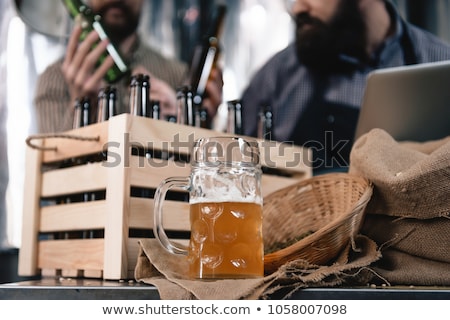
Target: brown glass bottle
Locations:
point(206, 55)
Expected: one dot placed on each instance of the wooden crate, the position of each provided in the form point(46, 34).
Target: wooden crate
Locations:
point(120, 218)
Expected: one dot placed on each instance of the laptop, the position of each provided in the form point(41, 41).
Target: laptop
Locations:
point(411, 103)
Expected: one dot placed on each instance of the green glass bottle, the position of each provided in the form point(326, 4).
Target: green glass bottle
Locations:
point(91, 21)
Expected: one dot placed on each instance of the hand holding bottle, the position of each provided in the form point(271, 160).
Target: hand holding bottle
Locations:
point(90, 55)
point(213, 92)
point(80, 70)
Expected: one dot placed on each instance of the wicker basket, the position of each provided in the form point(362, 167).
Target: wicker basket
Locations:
point(313, 219)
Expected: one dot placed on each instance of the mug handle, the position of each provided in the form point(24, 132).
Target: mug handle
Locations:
point(158, 229)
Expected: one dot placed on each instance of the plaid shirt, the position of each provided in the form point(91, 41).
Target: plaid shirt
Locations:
point(286, 85)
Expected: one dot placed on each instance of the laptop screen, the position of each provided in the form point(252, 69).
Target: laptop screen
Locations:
point(411, 103)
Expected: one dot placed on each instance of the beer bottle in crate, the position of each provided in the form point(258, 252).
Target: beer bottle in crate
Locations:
point(112, 102)
point(82, 115)
point(186, 111)
point(107, 106)
point(140, 96)
point(77, 116)
point(78, 10)
point(136, 95)
point(205, 55)
point(265, 123)
point(86, 112)
point(201, 117)
point(102, 105)
point(234, 119)
point(155, 109)
point(145, 100)
point(189, 113)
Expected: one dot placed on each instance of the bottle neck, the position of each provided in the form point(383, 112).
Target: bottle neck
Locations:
point(73, 7)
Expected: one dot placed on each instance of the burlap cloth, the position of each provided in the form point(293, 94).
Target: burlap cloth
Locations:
point(167, 272)
point(408, 215)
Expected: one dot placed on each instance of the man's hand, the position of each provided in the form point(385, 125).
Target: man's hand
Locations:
point(213, 92)
point(83, 76)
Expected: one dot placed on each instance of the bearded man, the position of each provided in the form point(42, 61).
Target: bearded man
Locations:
point(315, 86)
point(77, 74)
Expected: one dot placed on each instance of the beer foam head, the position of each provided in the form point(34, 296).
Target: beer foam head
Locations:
point(225, 195)
point(213, 187)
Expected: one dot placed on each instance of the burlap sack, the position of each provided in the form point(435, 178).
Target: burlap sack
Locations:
point(408, 214)
point(168, 273)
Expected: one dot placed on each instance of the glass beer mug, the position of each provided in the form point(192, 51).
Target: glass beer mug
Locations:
point(225, 210)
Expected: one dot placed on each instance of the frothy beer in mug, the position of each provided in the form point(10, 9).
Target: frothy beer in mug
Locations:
point(225, 210)
point(226, 240)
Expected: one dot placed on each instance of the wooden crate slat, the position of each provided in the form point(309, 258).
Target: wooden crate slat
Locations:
point(74, 216)
point(31, 213)
point(143, 174)
point(69, 148)
point(176, 215)
point(76, 254)
point(118, 206)
point(88, 177)
point(161, 134)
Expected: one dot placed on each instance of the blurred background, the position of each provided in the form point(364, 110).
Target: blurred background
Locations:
point(35, 36)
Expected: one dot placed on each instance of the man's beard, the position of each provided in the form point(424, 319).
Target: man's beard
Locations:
point(118, 32)
point(319, 45)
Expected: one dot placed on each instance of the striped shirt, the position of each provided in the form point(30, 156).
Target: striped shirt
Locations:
point(52, 99)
